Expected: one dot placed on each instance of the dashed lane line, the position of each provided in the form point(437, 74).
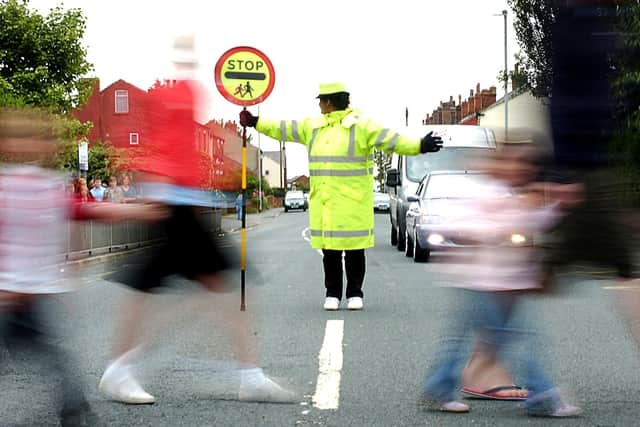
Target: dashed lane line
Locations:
point(327, 395)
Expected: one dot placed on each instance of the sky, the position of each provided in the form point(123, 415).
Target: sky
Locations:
point(391, 54)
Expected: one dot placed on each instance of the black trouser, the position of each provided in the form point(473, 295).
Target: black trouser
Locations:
point(24, 330)
point(355, 265)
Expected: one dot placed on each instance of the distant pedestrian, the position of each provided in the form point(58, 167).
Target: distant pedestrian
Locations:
point(341, 144)
point(97, 190)
point(239, 203)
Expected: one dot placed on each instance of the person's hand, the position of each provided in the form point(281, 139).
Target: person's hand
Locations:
point(430, 143)
point(248, 119)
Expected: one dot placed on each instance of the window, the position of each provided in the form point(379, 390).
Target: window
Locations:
point(134, 139)
point(122, 101)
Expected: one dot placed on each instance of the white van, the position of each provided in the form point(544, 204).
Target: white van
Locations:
point(461, 145)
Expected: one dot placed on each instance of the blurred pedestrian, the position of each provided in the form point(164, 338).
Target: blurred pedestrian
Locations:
point(82, 193)
point(489, 300)
point(239, 203)
point(97, 190)
point(170, 174)
point(585, 38)
point(129, 192)
point(34, 212)
point(341, 144)
point(113, 192)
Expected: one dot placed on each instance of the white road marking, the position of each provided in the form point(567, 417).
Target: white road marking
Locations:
point(327, 395)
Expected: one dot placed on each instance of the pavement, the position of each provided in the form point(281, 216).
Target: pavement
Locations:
point(230, 224)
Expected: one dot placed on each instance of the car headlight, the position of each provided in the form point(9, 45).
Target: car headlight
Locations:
point(518, 239)
point(430, 219)
point(435, 239)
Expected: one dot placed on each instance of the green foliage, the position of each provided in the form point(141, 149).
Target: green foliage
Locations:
point(42, 60)
point(532, 22)
point(252, 183)
point(278, 192)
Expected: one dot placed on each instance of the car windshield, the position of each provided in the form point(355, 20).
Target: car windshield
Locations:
point(455, 158)
point(292, 195)
point(381, 197)
point(462, 186)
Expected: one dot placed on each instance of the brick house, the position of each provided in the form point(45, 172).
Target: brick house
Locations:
point(120, 114)
point(464, 112)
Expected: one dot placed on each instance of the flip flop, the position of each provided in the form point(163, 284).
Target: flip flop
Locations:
point(492, 393)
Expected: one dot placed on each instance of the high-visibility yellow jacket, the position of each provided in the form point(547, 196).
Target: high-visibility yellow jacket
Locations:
point(340, 146)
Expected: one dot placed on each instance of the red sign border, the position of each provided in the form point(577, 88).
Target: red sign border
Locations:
point(218, 76)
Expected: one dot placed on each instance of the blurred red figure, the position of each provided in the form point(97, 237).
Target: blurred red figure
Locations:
point(170, 173)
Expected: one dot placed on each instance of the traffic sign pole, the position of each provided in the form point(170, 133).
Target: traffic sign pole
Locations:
point(243, 248)
point(244, 76)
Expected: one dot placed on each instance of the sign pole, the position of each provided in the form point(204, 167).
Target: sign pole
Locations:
point(245, 76)
point(243, 248)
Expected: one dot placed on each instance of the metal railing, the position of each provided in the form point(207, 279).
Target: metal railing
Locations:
point(88, 238)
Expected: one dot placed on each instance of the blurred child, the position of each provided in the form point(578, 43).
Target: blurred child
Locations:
point(34, 212)
point(490, 296)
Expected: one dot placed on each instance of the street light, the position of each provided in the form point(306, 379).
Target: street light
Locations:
point(506, 78)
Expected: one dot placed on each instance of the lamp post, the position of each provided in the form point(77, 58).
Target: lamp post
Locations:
point(506, 81)
point(506, 78)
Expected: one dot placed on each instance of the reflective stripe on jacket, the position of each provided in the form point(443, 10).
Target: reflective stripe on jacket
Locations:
point(340, 146)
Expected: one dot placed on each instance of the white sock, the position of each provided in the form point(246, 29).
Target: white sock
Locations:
point(252, 377)
point(124, 364)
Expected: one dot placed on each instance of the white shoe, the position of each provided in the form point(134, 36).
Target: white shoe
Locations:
point(355, 303)
point(118, 383)
point(266, 391)
point(331, 303)
point(566, 410)
point(455, 407)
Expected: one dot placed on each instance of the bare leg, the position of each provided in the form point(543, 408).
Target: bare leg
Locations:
point(484, 372)
point(130, 324)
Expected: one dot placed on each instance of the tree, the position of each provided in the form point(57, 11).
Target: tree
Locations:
point(533, 21)
point(382, 161)
point(42, 60)
point(42, 66)
point(533, 25)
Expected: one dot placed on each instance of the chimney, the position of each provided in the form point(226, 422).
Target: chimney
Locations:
point(459, 99)
point(451, 100)
point(478, 88)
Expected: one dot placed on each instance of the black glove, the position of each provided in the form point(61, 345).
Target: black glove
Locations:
point(248, 119)
point(430, 143)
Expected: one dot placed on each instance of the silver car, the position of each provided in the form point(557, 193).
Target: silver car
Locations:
point(380, 202)
point(440, 213)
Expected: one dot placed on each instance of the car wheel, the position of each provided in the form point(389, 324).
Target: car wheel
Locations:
point(394, 234)
point(408, 250)
point(420, 254)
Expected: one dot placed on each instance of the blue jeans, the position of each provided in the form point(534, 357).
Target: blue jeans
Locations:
point(491, 315)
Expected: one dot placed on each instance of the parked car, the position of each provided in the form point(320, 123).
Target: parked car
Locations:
point(443, 214)
point(294, 200)
point(461, 146)
point(380, 202)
